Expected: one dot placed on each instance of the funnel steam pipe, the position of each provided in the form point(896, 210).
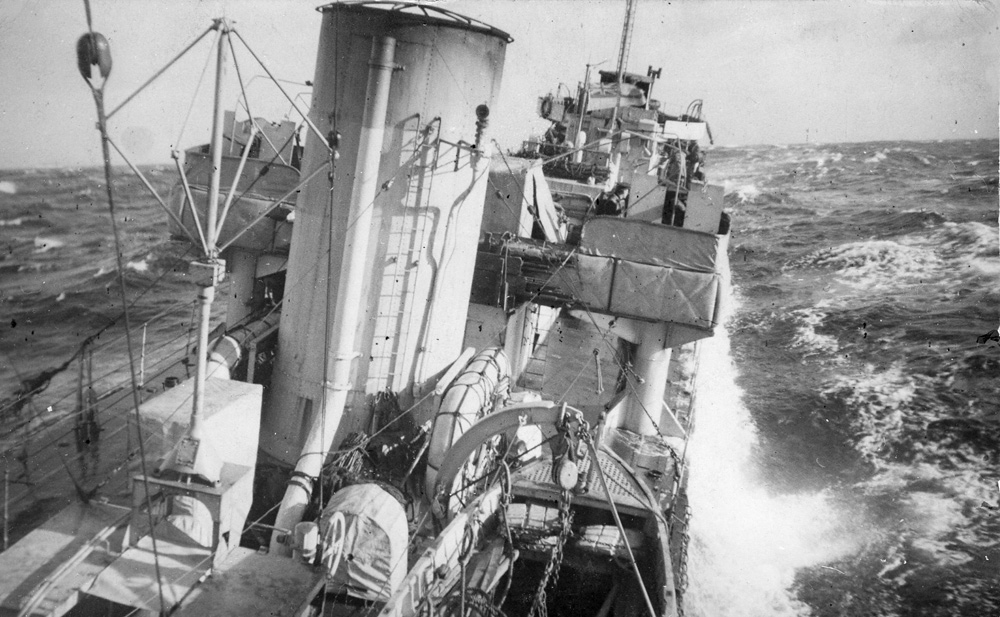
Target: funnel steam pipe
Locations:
point(348, 296)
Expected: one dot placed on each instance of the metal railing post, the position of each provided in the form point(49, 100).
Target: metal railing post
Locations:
point(142, 358)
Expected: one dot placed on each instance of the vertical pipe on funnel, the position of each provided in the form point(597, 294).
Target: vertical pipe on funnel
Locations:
point(652, 364)
point(349, 295)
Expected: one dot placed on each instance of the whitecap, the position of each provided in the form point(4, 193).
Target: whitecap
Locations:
point(11, 222)
point(877, 263)
point(747, 193)
point(933, 517)
point(879, 401)
point(139, 266)
point(100, 272)
point(61, 297)
point(877, 158)
point(806, 336)
point(8, 187)
point(43, 245)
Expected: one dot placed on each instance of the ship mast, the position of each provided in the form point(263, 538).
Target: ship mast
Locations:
point(194, 456)
point(623, 52)
point(626, 44)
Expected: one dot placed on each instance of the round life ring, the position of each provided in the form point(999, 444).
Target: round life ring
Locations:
point(546, 108)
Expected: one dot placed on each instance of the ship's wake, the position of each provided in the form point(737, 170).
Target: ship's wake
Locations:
point(746, 541)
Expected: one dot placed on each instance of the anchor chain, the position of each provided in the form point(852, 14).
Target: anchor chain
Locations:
point(575, 442)
point(551, 572)
point(682, 570)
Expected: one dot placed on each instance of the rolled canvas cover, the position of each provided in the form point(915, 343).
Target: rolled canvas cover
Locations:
point(548, 216)
point(517, 187)
point(373, 559)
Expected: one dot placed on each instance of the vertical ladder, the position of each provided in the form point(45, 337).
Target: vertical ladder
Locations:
point(406, 239)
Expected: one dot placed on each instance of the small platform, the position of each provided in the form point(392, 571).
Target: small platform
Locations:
point(47, 568)
point(535, 481)
point(249, 583)
point(131, 579)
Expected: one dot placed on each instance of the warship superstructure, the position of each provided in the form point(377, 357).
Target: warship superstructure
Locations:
point(448, 380)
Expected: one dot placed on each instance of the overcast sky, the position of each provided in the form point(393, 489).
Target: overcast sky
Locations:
point(767, 71)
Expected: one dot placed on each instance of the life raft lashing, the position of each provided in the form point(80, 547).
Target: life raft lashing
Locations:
point(480, 388)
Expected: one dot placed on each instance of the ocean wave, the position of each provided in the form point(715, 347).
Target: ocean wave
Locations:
point(141, 265)
point(43, 245)
point(878, 401)
point(933, 511)
point(806, 337)
point(15, 222)
point(878, 157)
point(967, 239)
point(744, 565)
point(894, 222)
point(747, 194)
point(7, 187)
point(875, 262)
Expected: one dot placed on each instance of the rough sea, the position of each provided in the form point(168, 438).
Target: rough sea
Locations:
point(845, 459)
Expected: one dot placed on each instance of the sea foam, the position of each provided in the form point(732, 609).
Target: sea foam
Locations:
point(746, 543)
point(43, 245)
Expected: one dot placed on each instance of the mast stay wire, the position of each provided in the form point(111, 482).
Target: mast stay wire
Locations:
point(156, 75)
point(253, 121)
point(90, 58)
point(197, 87)
point(291, 100)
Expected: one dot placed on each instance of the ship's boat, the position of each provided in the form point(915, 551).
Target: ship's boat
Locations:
point(449, 380)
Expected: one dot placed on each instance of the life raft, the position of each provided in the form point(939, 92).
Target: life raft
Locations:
point(484, 383)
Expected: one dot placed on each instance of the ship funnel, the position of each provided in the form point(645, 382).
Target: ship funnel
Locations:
point(382, 256)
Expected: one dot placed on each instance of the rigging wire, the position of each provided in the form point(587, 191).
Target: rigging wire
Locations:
point(130, 452)
point(291, 100)
point(67, 418)
point(161, 71)
point(88, 341)
point(98, 93)
point(197, 89)
point(239, 78)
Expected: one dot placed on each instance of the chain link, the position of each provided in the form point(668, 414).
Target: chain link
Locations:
point(477, 604)
point(682, 566)
point(551, 572)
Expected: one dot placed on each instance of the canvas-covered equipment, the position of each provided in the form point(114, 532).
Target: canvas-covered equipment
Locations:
point(651, 243)
point(646, 271)
point(372, 560)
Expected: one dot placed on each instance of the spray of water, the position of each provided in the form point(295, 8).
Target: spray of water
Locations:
point(746, 543)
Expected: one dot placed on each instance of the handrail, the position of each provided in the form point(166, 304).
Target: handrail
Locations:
point(621, 529)
point(53, 471)
point(96, 347)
